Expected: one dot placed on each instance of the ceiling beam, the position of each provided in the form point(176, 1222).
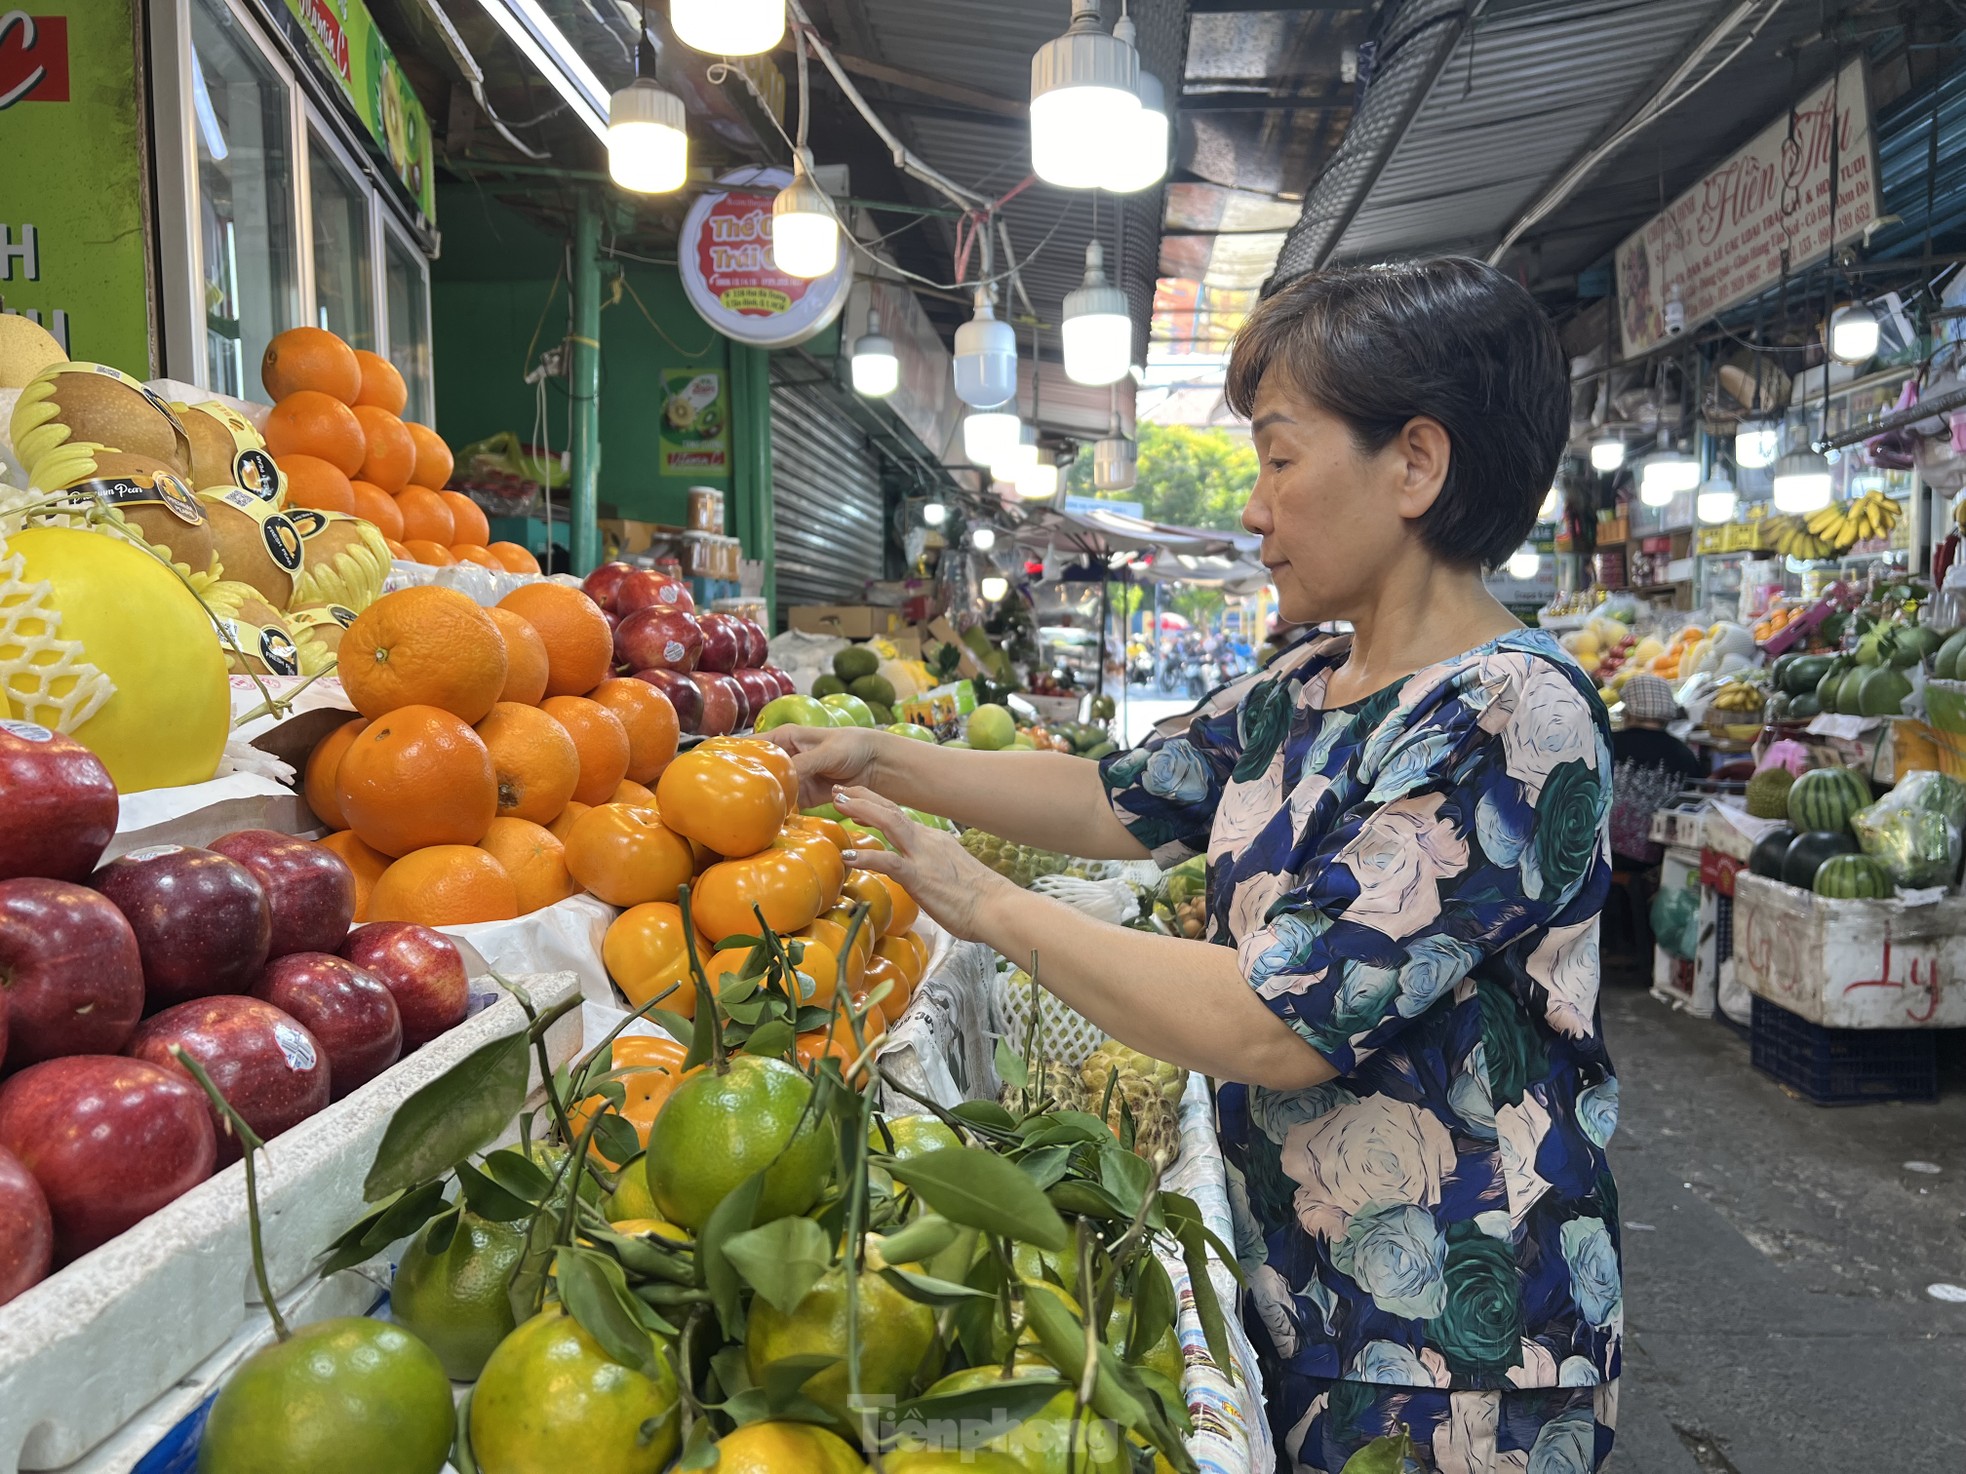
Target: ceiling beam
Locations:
point(1260, 102)
point(1247, 7)
point(973, 98)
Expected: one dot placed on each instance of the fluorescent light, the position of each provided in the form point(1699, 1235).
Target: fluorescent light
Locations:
point(1853, 333)
point(987, 433)
point(876, 368)
point(1717, 501)
point(985, 358)
point(1665, 476)
point(1552, 507)
point(1144, 159)
point(1115, 463)
point(728, 27)
point(1098, 331)
point(1524, 562)
point(1017, 457)
point(982, 538)
point(805, 235)
point(934, 514)
point(1802, 482)
point(1085, 102)
point(1607, 453)
point(1039, 482)
point(544, 45)
point(1756, 444)
point(995, 586)
point(648, 143)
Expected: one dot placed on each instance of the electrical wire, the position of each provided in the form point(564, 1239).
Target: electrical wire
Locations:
point(474, 78)
point(691, 353)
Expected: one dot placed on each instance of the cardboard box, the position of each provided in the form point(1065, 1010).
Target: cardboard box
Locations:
point(846, 621)
point(966, 663)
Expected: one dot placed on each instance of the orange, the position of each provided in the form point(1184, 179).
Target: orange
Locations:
point(433, 458)
point(831, 828)
point(474, 553)
point(424, 647)
point(817, 1045)
point(717, 1130)
point(722, 799)
point(515, 558)
point(311, 423)
point(628, 791)
point(431, 554)
point(368, 865)
point(645, 950)
point(376, 506)
point(778, 882)
point(534, 760)
point(312, 482)
point(906, 911)
point(398, 551)
point(382, 385)
point(563, 826)
point(625, 856)
point(579, 644)
point(444, 885)
point(318, 780)
point(602, 740)
point(650, 720)
point(825, 929)
point(909, 954)
point(418, 776)
point(824, 857)
point(872, 1016)
point(773, 757)
point(820, 964)
point(649, 1070)
point(533, 858)
point(525, 659)
point(883, 970)
point(425, 516)
point(391, 453)
point(310, 358)
point(863, 939)
point(864, 885)
point(472, 525)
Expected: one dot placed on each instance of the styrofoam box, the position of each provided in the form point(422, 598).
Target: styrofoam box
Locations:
point(1851, 964)
point(115, 1337)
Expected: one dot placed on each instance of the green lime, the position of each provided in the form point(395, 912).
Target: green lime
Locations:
point(914, 1136)
point(550, 1398)
point(1045, 1442)
point(716, 1130)
point(631, 1197)
point(455, 1299)
point(894, 1335)
point(351, 1393)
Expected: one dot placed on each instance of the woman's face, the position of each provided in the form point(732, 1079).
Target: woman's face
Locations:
point(1334, 521)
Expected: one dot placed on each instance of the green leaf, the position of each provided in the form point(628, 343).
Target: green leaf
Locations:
point(1017, 1398)
point(1386, 1455)
point(488, 1199)
point(1046, 1165)
point(700, 1452)
point(1153, 1304)
point(810, 1018)
point(1010, 1067)
point(720, 1277)
point(736, 990)
point(773, 1038)
point(1116, 1392)
point(785, 1376)
point(1065, 1126)
point(782, 1260)
point(986, 1191)
point(1194, 1253)
point(442, 1229)
point(614, 1093)
point(460, 1112)
point(595, 1294)
point(926, 1289)
point(702, 1034)
point(1126, 1176)
point(673, 1024)
point(985, 1113)
point(407, 1214)
point(646, 1255)
point(732, 1372)
point(747, 1011)
point(616, 1138)
point(1086, 1199)
point(919, 1241)
point(518, 1173)
point(1172, 1406)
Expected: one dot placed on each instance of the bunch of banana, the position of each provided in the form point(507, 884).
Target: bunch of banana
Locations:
point(1871, 515)
point(1792, 539)
point(1740, 696)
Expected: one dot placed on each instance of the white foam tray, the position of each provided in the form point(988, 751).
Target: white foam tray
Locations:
point(134, 1335)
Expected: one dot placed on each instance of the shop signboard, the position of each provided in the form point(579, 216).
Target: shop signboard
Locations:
point(74, 238)
point(341, 37)
point(728, 273)
point(1761, 213)
point(695, 423)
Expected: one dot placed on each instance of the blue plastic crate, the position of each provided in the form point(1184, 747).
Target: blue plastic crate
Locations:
point(1844, 1066)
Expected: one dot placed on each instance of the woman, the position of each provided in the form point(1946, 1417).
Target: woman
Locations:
point(1404, 827)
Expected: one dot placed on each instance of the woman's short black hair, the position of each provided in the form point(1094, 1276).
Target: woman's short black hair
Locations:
point(1448, 338)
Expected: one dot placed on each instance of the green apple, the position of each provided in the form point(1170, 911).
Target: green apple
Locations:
point(991, 728)
point(793, 711)
point(852, 708)
point(1021, 743)
point(912, 730)
point(957, 742)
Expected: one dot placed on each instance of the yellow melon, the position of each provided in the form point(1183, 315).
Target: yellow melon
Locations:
point(100, 640)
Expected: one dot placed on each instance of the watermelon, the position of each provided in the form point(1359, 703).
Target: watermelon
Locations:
point(1807, 853)
point(1883, 692)
point(1826, 688)
point(1804, 673)
point(1804, 707)
point(1825, 798)
point(1848, 689)
point(1847, 877)
point(1766, 859)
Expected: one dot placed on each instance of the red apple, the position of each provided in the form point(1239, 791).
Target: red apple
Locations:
point(266, 1065)
point(110, 1140)
point(646, 589)
point(201, 919)
point(309, 889)
point(724, 707)
point(57, 804)
point(27, 1229)
point(759, 691)
point(658, 639)
point(71, 976)
point(603, 581)
point(786, 685)
point(348, 1009)
point(757, 647)
point(682, 693)
point(422, 968)
point(721, 642)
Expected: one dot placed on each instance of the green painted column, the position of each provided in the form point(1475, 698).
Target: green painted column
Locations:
point(583, 511)
point(752, 517)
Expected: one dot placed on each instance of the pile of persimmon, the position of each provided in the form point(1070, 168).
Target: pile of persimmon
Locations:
point(337, 431)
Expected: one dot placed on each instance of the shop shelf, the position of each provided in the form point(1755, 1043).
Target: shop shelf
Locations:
point(1843, 1066)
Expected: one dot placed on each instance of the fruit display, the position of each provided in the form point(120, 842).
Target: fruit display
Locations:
point(1827, 798)
point(1020, 864)
point(1834, 529)
point(1736, 707)
point(1851, 877)
point(1913, 833)
point(1768, 792)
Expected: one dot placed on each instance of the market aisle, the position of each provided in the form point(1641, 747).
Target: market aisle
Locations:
point(1776, 1259)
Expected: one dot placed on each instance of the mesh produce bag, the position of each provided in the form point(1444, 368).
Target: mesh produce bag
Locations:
point(1914, 830)
point(1064, 1036)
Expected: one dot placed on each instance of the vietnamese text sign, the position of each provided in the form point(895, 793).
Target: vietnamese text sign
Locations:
point(1761, 212)
point(695, 423)
point(729, 275)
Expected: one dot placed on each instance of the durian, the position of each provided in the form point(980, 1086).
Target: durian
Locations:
point(1768, 792)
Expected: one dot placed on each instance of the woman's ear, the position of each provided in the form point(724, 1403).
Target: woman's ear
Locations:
point(1423, 448)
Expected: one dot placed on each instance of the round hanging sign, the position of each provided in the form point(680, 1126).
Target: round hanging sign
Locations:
point(728, 274)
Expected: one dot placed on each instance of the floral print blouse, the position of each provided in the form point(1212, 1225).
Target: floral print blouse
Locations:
point(1412, 882)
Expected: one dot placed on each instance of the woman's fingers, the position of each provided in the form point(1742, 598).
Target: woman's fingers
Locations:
point(867, 807)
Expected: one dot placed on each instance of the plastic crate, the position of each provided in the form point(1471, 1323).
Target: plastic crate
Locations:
point(1723, 929)
point(1843, 1066)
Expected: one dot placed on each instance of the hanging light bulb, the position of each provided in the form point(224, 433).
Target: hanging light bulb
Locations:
point(983, 538)
point(1524, 562)
point(728, 27)
point(986, 358)
point(1717, 500)
point(1802, 481)
point(876, 369)
point(1085, 102)
point(1552, 507)
point(1017, 457)
point(987, 434)
point(1607, 453)
point(648, 139)
point(1115, 463)
point(1853, 333)
point(1098, 330)
point(805, 234)
point(1667, 474)
point(934, 514)
point(1144, 160)
point(995, 586)
point(1038, 481)
point(1756, 444)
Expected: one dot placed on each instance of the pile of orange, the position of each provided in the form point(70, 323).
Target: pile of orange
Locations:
point(337, 432)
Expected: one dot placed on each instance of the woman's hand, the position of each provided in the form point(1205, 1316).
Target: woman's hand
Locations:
point(828, 758)
point(947, 882)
